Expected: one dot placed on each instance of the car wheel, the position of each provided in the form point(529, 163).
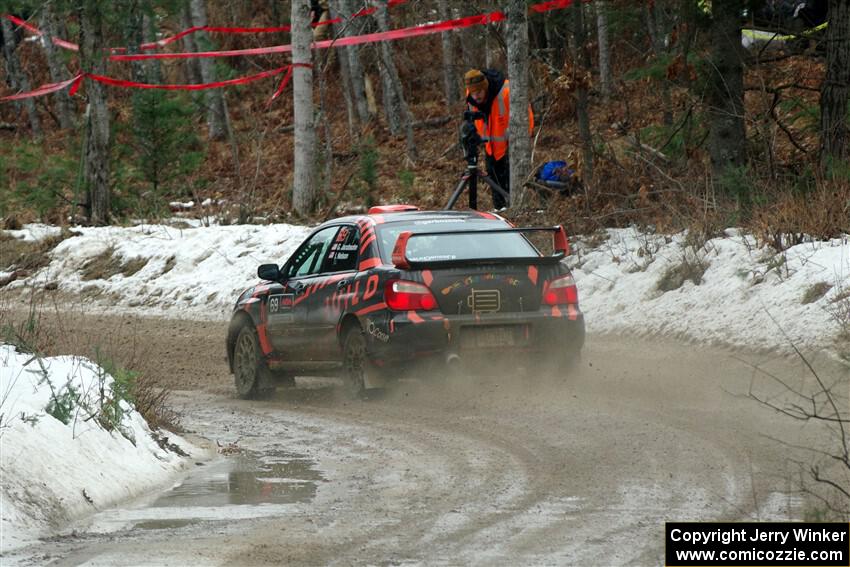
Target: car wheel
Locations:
point(356, 366)
point(250, 373)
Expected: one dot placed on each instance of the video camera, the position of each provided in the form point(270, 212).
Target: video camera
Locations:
point(469, 138)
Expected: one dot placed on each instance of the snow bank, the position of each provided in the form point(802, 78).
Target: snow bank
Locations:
point(748, 296)
point(195, 272)
point(52, 471)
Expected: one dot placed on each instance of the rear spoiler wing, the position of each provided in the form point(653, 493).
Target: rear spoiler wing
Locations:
point(559, 237)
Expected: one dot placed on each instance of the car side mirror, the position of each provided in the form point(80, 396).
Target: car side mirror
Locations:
point(269, 272)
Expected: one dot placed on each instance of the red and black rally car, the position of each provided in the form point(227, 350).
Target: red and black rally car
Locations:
point(371, 295)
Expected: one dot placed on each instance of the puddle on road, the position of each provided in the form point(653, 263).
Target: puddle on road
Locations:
point(257, 483)
point(163, 524)
point(246, 478)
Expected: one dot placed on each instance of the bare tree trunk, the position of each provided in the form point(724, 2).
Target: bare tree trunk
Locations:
point(488, 47)
point(96, 168)
point(217, 120)
point(728, 136)
point(835, 137)
point(193, 67)
point(392, 110)
point(345, 8)
point(582, 58)
point(605, 78)
point(154, 67)
point(64, 107)
point(344, 72)
point(657, 34)
point(520, 142)
point(134, 36)
point(451, 89)
point(350, 106)
point(554, 49)
point(16, 74)
point(303, 179)
point(396, 109)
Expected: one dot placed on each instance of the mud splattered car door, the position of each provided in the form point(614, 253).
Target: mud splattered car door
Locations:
point(288, 312)
point(331, 290)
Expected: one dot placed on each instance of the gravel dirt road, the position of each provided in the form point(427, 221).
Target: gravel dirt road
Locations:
point(497, 470)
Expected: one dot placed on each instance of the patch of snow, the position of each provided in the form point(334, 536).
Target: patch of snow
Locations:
point(34, 232)
point(195, 272)
point(748, 296)
point(53, 471)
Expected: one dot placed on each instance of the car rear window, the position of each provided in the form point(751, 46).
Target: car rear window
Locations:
point(440, 247)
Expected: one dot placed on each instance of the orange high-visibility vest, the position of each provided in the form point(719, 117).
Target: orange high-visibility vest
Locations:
point(494, 129)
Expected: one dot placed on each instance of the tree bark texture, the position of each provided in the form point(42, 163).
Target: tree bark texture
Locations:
point(192, 66)
point(17, 76)
point(216, 105)
point(304, 171)
point(58, 72)
point(835, 138)
point(399, 118)
point(519, 140)
point(657, 28)
point(605, 77)
point(582, 58)
point(725, 97)
point(96, 168)
point(355, 68)
point(154, 66)
point(344, 71)
point(451, 88)
point(133, 18)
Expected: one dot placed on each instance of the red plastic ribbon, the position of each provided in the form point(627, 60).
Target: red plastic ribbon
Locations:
point(283, 83)
point(38, 32)
point(43, 89)
point(212, 29)
point(77, 80)
point(415, 31)
point(402, 33)
point(552, 5)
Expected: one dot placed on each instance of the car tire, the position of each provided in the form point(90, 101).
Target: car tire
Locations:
point(356, 366)
point(251, 376)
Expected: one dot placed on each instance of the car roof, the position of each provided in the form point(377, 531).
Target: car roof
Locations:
point(407, 216)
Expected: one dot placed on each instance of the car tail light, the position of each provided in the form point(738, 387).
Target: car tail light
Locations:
point(403, 295)
point(560, 291)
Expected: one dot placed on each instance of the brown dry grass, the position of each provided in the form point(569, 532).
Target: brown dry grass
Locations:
point(791, 216)
point(108, 263)
point(17, 254)
point(51, 325)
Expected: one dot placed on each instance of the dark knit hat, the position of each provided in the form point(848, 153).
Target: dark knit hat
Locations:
point(475, 81)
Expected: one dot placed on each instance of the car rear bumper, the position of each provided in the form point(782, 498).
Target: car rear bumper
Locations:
point(407, 337)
